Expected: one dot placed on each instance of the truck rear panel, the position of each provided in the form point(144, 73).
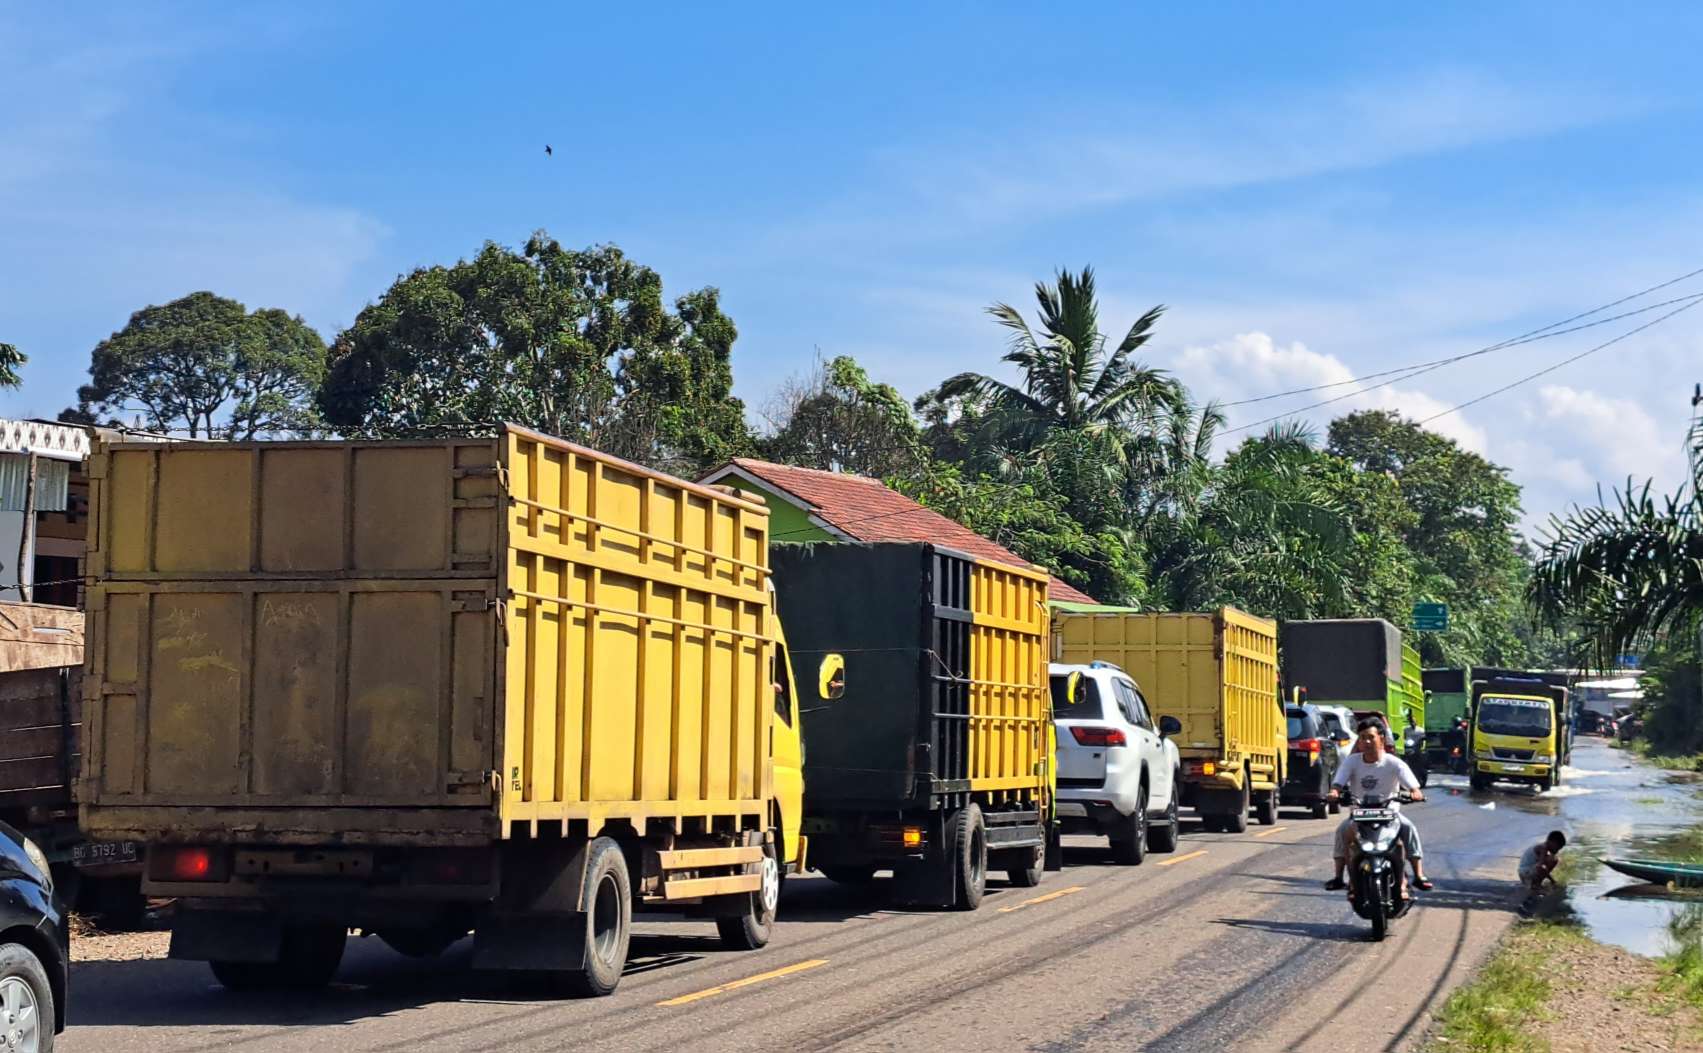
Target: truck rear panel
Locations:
point(1215, 672)
point(417, 642)
point(1349, 661)
point(946, 688)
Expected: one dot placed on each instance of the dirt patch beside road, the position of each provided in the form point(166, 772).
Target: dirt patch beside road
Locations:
point(1551, 989)
point(119, 946)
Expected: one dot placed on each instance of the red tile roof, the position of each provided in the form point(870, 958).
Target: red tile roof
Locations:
point(867, 509)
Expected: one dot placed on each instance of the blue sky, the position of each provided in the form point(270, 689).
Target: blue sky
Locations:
point(1316, 193)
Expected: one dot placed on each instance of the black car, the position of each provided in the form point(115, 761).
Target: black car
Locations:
point(1313, 760)
point(35, 948)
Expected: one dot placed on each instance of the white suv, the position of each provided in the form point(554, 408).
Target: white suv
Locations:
point(1118, 771)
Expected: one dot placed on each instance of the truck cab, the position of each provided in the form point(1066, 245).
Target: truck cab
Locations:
point(1517, 734)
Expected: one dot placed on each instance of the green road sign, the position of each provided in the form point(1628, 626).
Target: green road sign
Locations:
point(1430, 617)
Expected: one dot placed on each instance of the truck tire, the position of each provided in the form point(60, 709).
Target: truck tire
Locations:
point(1130, 849)
point(1028, 876)
point(968, 855)
point(848, 875)
point(1237, 821)
point(1266, 810)
point(1480, 782)
point(1336, 808)
point(750, 929)
point(608, 905)
point(1545, 784)
point(26, 999)
point(307, 960)
point(1163, 838)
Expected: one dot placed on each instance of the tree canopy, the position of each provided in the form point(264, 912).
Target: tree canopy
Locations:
point(11, 362)
point(575, 343)
point(205, 365)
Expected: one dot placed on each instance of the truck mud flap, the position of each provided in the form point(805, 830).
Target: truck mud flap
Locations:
point(226, 936)
point(543, 943)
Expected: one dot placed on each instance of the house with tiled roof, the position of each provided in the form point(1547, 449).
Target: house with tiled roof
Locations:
point(808, 504)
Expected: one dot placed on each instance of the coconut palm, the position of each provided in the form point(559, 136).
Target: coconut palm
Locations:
point(1070, 379)
point(1630, 572)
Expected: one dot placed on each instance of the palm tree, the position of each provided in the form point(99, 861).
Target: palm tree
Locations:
point(1070, 380)
point(1628, 573)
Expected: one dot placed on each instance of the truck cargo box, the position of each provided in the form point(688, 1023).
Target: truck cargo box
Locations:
point(945, 687)
point(1216, 672)
point(429, 642)
point(1346, 660)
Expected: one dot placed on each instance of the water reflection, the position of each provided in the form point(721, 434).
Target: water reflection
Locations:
point(1613, 804)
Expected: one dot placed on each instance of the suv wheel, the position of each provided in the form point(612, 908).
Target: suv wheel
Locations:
point(26, 1001)
point(1130, 847)
point(1164, 838)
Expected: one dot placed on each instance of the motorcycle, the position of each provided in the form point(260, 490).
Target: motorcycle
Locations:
point(1456, 738)
point(1375, 889)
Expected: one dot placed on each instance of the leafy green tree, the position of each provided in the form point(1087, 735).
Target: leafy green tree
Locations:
point(837, 419)
point(205, 365)
point(1630, 576)
point(1463, 536)
point(11, 361)
point(575, 343)
point(1070, 379)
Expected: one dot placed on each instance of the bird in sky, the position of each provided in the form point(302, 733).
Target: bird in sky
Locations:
point(548, 152)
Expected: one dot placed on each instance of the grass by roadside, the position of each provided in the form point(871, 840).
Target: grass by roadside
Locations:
point(1672, 762)
point(1549, 988)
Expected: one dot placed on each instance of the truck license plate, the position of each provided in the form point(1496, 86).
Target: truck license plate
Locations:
point(104, 853)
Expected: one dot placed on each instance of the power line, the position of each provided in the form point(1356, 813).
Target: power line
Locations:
point(1564, 362)
point(1420, 370)
point(1528, 338)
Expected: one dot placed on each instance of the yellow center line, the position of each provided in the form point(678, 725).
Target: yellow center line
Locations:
point(1174, 860)
point(1273, 830)
point(1042, 899)
point(734, 985)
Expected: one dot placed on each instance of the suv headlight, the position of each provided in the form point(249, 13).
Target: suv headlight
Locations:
point(39, 858)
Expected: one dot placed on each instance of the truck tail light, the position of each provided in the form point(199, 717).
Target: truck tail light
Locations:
point(1089, 736)
point(188, 863)
point(912, 837)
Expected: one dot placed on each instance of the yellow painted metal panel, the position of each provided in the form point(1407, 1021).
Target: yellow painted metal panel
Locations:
point(1215, 672)
point(515, 623)
point(1010, 705)
point(639, 637)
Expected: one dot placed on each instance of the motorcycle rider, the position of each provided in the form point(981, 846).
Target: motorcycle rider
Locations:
point(1373, 770)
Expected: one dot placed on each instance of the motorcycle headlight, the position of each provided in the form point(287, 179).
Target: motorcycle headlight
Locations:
point(1368, 847)
point(39, 858)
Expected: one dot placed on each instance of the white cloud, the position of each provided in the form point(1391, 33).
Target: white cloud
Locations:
point(1253, 364)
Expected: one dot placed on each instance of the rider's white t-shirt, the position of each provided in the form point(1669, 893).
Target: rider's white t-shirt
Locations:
point(1382, 778)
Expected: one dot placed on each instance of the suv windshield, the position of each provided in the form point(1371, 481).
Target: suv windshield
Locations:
point(1513, 716)
point(1087, 704)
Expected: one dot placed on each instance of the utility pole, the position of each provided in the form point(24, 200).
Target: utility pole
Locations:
point(26, 536)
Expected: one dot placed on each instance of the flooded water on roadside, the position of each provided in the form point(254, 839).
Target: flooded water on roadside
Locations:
point(1612, 804)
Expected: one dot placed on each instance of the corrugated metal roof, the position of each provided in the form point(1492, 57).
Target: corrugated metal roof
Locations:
point(866, 509)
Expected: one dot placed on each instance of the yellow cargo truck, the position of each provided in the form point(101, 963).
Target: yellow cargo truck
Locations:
point(1217, 674)
point(502, 684)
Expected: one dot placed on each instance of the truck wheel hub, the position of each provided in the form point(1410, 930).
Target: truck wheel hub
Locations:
point(771, 884)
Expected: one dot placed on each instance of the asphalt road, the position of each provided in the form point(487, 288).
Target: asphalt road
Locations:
point(1228, 941)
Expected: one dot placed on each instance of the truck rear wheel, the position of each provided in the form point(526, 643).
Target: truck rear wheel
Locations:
point(1028, 876)
point(307, 960)
point(750, 928)
point(1237, 821)
point(968, 846)
point(1266, 809)
point(608, 905)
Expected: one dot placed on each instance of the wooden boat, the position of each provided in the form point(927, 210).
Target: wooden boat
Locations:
point(1681, 875)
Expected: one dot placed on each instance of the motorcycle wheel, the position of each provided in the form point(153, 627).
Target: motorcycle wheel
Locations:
point(1375, 911)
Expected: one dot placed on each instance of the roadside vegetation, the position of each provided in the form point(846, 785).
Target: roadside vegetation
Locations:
point(1627, 576)
point(1549, 987)
point(1066, 445)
